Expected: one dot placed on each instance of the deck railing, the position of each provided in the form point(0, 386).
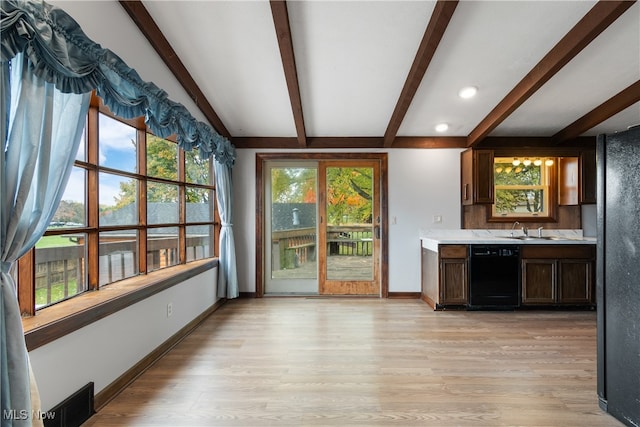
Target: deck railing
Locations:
point(60, 270)
point(294, 247)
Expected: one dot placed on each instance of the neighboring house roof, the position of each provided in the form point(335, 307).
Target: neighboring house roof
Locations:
point(282, 216)
point(157, 213)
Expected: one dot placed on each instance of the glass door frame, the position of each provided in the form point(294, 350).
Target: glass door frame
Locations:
point(261, 163)
point(347, 285)
point(283, 286)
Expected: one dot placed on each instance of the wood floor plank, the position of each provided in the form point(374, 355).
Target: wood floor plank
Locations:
point(366, 362)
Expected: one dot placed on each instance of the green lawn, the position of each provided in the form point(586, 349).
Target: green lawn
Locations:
point(54, 242)
point(57, 293)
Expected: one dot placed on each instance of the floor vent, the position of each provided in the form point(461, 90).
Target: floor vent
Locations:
point(73, 411)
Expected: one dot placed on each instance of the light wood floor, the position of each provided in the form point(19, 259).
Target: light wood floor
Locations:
point(315, 361)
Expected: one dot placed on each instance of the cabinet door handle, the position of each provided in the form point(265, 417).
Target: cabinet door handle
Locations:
point(466, 192)
point(376, 231)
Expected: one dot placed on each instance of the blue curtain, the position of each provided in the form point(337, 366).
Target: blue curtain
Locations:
point(227, 272)
point(41, 129)
point(60, 53)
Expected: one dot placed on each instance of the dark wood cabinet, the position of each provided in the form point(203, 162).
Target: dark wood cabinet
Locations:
point(454, 279)
point(577, 179)
point(558, 275)
point(588, 176)
point(568, 181)
point(575, 281)
point(476, 168)
point(538, 281)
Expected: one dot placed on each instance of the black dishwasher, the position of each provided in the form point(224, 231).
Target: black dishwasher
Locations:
point(494, 277)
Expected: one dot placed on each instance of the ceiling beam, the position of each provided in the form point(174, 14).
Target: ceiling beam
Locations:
point(334, 142)
point(438, 23)
point(141, 17)
point(622, 100)
point(283, 34)
point(601, 15)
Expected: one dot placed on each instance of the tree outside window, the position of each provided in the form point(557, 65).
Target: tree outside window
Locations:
point(522, 187)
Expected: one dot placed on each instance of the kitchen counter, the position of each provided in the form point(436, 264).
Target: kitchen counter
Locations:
point(553, 270)
point(430, 239)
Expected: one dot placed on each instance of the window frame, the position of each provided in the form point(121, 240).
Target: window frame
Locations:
point(26, 282)
point(551, 177)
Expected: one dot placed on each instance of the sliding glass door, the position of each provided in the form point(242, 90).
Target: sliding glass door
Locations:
point(322, 228)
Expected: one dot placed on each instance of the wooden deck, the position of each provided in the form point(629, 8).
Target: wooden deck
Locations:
point(340, 267)
point(370, 362)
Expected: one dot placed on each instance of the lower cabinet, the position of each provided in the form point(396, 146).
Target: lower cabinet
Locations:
point(454, 277)
point(551, 275)
point(539, 281)
point(558, 275)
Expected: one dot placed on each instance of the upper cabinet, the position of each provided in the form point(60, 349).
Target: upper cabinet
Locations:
point(476, 177)
point(568, 181)
point(576, 177)
point(588, 175)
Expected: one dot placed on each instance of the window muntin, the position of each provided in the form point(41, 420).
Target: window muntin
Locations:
point(522, 190)
point(117, 162)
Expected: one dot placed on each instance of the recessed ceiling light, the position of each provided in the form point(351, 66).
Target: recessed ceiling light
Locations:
point(442, 127)
point(467, 92)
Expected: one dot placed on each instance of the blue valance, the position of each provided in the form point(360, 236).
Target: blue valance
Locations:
point(60, 53)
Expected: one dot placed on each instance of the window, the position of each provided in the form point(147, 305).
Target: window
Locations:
point(134, 203)
point(522, 187)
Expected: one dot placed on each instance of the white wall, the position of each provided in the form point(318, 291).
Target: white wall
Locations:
point(104, 350)
point(422, 184)
point(589, 220)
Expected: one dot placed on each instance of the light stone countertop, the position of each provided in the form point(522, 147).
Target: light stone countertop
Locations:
point(430, 239)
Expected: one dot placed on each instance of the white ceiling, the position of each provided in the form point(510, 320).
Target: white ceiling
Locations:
point(353, 58)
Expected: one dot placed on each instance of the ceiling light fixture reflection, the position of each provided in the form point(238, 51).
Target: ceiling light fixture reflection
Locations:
point(515, 162)
point(442, 127)
point(526, 162)
point(467, 92)
point(548, 162)
point(537, 162)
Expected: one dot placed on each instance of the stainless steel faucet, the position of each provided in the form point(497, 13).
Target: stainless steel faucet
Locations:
point(540, 231)
point(525, 230)
point(514, 226)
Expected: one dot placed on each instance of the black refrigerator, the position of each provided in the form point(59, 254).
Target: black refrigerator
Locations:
point(618, 274)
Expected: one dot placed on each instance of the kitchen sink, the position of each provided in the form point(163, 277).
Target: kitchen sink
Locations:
point(538, 238)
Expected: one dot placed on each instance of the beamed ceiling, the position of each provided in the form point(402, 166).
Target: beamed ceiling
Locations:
point(382, 74)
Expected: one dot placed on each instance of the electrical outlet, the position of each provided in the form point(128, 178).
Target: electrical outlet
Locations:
point(437, 219)
point(169, 309)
